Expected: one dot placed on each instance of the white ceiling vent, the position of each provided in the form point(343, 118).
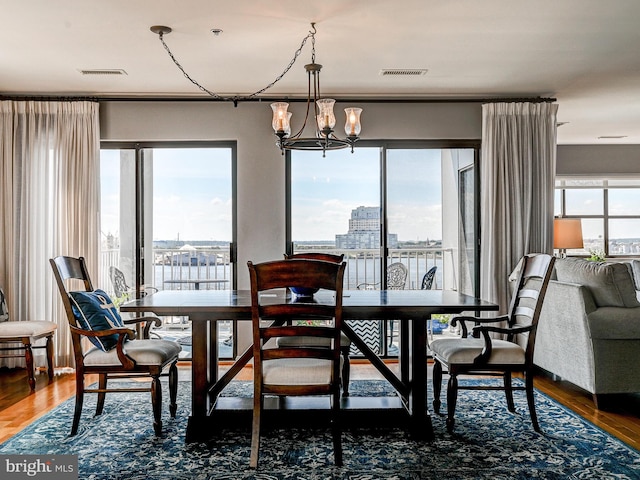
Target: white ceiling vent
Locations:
point(104, 71)
point(403, 72)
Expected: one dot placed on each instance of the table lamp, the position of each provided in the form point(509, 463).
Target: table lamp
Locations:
point(567, 233)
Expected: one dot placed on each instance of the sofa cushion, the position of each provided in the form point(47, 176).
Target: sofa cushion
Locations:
point(614, 323)
point(611, 284)
point(95, 311)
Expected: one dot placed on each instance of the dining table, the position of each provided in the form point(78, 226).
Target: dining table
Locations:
point(413, 309)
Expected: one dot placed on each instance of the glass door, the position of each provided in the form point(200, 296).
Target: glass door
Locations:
point(168, 223)
point(400, 213)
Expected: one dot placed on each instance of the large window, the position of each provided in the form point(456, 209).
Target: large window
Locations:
point(609, 210)
point(396, 211)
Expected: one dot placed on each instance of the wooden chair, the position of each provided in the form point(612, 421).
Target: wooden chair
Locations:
point(300, 371)
point(326, 257)
point(345, 342)
point(489, 356)
point(129, 358)
point(25, 333)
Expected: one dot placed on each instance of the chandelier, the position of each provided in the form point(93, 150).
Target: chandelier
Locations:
point(323, 118)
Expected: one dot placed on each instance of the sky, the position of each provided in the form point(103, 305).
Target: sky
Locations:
point(325, 192)
point(192, 193)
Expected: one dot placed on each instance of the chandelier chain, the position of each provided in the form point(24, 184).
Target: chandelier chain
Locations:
point(235, 99)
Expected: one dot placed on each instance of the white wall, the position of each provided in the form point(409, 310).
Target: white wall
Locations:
point(261, 182)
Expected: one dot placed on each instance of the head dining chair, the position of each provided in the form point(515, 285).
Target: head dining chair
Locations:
point(307, 370)
point(20, 336)
point(345, 342)
point(490, 356)
point(115, 353)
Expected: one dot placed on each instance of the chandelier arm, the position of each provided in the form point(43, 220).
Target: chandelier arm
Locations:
point(306, 115)
point(235, 99)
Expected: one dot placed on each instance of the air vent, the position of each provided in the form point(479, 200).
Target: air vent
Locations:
point(403, 72)
point(103, 71)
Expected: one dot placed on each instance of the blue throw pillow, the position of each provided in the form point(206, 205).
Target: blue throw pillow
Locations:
point(95, 311)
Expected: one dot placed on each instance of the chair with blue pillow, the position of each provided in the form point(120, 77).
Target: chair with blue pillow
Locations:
point(116, 353)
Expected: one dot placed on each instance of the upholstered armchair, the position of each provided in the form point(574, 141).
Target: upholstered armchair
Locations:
point(19, 337)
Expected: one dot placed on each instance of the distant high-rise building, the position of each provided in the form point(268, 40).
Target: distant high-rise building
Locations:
point(364, 230)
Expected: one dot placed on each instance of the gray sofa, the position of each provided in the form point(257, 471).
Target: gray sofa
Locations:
point(589, 330)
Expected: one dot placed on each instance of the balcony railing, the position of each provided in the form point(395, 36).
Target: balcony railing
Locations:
point(363, 266)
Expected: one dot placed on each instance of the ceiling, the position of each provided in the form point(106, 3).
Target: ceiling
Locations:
point(584, 53)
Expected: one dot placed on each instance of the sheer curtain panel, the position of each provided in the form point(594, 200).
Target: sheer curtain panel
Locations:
point(49, 172)
point(518, 166)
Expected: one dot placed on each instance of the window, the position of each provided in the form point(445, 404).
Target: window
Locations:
point(609, 210)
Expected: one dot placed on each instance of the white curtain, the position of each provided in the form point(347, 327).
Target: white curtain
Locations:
point(517, 169)
point(49, 172)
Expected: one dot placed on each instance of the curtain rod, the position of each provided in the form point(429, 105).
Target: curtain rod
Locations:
point(49, 98)
point(281, 98)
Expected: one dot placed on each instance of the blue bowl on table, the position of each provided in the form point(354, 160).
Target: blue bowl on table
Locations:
point(303, 291)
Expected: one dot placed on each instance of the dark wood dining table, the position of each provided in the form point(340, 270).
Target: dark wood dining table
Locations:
point(413, 308)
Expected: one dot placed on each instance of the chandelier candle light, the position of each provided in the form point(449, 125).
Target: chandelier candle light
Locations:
point(323, 117)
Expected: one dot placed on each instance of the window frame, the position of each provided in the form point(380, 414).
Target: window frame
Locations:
point(597, 183)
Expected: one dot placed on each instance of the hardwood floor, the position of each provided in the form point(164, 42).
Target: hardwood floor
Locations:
point(19, 407)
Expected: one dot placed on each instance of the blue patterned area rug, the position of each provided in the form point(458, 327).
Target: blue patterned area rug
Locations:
point(488, 443)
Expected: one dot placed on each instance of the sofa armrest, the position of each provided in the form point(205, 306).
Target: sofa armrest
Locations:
point(563, 340)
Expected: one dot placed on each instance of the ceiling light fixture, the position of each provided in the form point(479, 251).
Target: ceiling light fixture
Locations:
point(323, 116)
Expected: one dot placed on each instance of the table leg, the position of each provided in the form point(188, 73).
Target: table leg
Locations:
point(199, 368)
point(421, 426)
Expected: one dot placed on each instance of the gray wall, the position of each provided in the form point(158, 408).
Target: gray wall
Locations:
point(598, 160)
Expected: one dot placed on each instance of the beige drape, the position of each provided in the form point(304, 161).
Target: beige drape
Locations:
point(517, 171)
point(49, 172)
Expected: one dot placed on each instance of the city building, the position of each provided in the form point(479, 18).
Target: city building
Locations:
point(364, 230)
